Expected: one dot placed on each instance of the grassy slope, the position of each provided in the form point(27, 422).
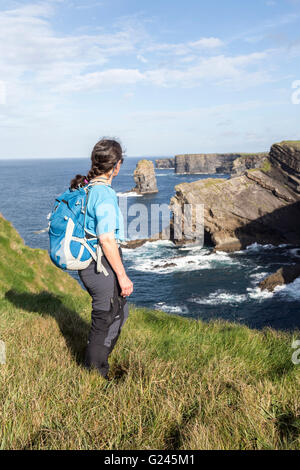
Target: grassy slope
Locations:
point(177, 383)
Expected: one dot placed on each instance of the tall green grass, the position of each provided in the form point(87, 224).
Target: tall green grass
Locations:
point(175, 383)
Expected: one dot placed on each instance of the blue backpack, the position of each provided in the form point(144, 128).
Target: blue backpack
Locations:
point(71, 246)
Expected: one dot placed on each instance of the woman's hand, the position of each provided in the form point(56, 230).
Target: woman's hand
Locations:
point(126, 285)
point(111, 251)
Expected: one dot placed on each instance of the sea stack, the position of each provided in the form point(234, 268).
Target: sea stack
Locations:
point(144, 177)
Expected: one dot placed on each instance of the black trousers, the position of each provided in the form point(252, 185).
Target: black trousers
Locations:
point(109, 313)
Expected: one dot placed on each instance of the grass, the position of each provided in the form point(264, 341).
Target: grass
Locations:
point(265, 168)
point(292, 143)
point(176, 383)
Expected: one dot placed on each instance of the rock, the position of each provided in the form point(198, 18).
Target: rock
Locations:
point(285, 160)
point(163, 235)
point(166, 265)
point(248, 162)
point(165, 163)
point(144, 177)
point(134, 243)
point(260, 206)
point(284, 275)
point(211, 163)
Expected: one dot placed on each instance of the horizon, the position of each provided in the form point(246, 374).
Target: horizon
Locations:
point(167, 78)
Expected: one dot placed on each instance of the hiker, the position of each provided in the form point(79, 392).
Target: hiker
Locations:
point(110, 286)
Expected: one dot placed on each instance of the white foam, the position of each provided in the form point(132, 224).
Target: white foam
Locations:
point(183, 310)
point(148, 259)
point(258, 276)
point(255, 247)
point(255, 293)
point(158, 243)
point(289, 292)
point(219, 298)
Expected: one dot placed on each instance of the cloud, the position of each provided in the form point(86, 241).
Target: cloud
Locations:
point(206, 43)
point(44, 68)
point(102, 80)
point(188, 47)
point(221, 69)
point(33, 55)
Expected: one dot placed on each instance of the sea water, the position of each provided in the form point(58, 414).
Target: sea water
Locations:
point(189, 281)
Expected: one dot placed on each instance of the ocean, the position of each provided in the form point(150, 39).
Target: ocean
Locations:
point(197, 283)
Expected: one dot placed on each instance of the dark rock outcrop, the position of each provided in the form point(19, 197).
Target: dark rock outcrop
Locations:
point(135, 243)
point(144, 177)
point(262, 206)
point(165, 163)
point(211, 163)
point(249, 162)
point(284, 275)
point(285, 160)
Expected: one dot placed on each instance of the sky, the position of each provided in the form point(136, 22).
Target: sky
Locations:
point(164, 76)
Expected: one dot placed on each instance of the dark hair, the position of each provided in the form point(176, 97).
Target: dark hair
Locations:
point(105, 155)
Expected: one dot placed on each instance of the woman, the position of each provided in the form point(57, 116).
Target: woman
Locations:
point(110, 287)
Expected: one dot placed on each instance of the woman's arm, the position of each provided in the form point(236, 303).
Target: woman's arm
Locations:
point(111, 251)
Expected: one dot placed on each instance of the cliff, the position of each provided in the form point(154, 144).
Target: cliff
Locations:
point(285, 160)
point(144, 177)
point(165, 163)
point(248, 162)
point(176, 383)
point(212, 163)
point(260, 206)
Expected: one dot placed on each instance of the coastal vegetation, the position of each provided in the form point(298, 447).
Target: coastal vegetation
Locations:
point(176, 383)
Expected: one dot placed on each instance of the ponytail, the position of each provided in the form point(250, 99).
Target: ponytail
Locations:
point(105, 155)
point(78, 181)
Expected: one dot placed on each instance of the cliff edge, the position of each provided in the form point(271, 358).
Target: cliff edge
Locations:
point(262, 205)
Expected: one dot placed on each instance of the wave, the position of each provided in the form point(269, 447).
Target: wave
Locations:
point(257, 277)
point(290, 292)
point(258, 247)
point(199, 259)
point(256, 293)
point(219, 297)
point(182, 310)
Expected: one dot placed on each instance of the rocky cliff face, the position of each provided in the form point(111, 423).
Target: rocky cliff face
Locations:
point(285, 160)
point(248, 162)
point(204, 163)
point(165, 163)
point(262, 206)
point(144, 177)
point(212, 162)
